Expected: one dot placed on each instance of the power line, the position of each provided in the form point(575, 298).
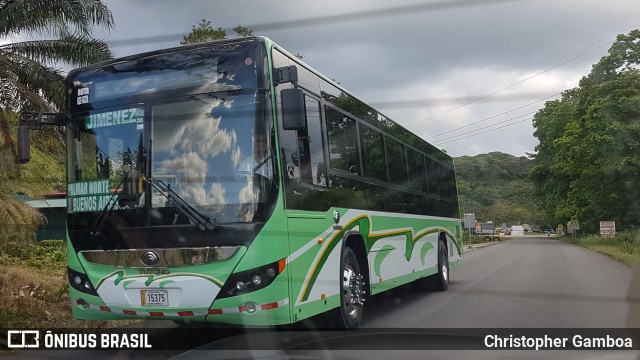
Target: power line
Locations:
point(441, 100)
point(487, 128)
point(329, 19)
point(514, 84)
point(495, 116)
point(458, 137)
point(482, 132)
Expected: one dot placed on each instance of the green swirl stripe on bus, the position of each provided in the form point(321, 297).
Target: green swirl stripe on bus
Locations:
point(332, 242)
point(120, 276)
point(365, 223)
point(423, 252)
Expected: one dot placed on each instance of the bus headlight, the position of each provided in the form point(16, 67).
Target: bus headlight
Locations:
point(80, 282)
point(256, 280)
point(252, 280)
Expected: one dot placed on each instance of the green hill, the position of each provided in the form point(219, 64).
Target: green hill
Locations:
point(494, 186)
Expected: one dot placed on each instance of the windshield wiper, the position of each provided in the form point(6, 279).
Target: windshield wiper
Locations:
point(260, 165)
point(182, 206)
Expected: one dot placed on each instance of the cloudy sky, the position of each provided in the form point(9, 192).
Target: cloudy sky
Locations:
point(466, 75)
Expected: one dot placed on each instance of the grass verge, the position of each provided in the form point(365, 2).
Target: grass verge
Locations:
point(624, 247)
point(34, 289)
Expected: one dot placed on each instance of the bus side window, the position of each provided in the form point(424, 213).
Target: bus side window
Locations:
point(313, 165)
point(343, 142)
point(303, 151)
point(432, 176)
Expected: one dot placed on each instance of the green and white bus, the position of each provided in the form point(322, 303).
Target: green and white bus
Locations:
point(230, 182)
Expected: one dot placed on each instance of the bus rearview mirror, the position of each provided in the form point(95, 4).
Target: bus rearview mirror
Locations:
point(24, 144)
point(293, 115)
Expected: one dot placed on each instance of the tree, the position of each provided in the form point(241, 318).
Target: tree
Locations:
point(27, 71)
point(30, 79)
point(203, 32)
point(587, 164)
point(242, 31)
point(495, 187)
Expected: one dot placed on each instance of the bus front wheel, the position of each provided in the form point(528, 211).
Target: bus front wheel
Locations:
point(352, 291)
point(440, 280)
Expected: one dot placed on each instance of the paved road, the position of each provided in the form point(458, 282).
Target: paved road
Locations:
point(524, 282)
point(528, 282)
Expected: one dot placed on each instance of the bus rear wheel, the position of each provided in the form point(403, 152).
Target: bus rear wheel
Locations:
point(352, 293)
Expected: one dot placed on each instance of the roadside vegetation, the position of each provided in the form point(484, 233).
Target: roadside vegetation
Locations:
point(34, 288)
point(586, 165)
point(51, 34)
point(39, 37)
point(624, 247)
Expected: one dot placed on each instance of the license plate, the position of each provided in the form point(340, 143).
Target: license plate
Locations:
point(154, 297)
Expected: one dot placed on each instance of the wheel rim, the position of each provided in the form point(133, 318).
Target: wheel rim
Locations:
point(445, 273)
point(352, 294)
point(444, 268)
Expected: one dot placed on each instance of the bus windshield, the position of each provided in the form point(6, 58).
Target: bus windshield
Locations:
point(208, 152)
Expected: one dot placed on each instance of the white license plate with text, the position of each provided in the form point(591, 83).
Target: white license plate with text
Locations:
point(154, 297)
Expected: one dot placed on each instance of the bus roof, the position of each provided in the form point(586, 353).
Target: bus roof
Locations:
point(260, 39)
point(165, 51)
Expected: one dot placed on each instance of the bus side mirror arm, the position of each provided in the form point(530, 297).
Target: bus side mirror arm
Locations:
point(33, 120)
point(24, 144)
point(292, 100)
point(286, 74)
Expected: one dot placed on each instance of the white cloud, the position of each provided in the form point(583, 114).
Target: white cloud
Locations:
point(193, 171)
point(217, 193)
point(249, 193)
point(205, 136)
point(235, 156)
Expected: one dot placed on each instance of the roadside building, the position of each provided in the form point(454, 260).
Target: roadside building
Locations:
point(54, 209)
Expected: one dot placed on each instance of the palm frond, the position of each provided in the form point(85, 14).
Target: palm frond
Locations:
point(19, 220)
point(76, 50)
point(28, 78)
point(53, 16)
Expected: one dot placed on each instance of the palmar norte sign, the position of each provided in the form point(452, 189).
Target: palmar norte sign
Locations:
point(86, 196)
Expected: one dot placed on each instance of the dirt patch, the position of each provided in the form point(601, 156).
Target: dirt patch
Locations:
point(34, 294)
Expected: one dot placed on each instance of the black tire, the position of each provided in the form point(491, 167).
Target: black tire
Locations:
point(352, 291)
point(184, 323)
point(440, 281)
